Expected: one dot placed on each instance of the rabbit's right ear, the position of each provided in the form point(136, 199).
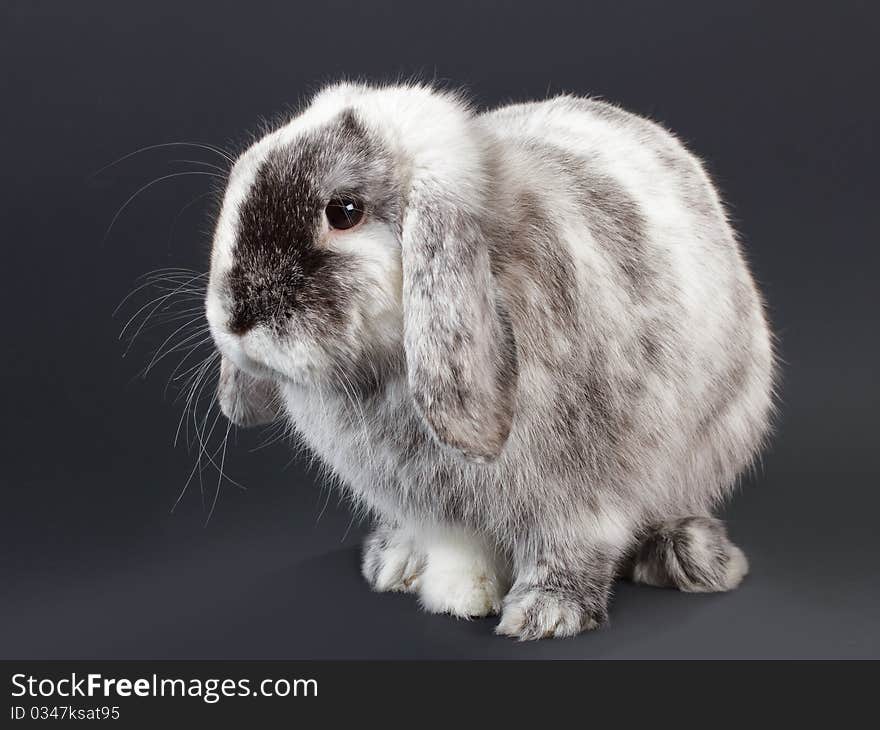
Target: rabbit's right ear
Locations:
point(244, 399)
point(460, 352)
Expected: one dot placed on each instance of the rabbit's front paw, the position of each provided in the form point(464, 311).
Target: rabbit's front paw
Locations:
point(537, 612)
point(468, 590)
point(465, 575)
point(392, 561)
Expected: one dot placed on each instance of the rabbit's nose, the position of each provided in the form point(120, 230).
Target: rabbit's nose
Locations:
point(240, 326)
point(250, 310)
point(243, 319)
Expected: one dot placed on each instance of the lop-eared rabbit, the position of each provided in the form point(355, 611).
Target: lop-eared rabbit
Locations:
point(524, 341)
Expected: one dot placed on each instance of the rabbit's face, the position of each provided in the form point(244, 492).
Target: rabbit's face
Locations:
point(322, 275)
point(305, 280)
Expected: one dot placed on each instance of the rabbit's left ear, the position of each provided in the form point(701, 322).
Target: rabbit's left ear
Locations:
point(460, 353)
point(244, 399)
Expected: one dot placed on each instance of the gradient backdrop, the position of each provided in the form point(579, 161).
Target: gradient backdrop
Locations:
point(781, 101)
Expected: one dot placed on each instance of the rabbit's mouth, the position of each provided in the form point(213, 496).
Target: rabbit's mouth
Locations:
point(233, 349)
point(260, 354)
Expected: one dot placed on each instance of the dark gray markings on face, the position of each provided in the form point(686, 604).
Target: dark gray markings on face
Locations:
point(280, 271)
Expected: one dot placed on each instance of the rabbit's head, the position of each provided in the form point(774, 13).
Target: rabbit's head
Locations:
point(352, 248)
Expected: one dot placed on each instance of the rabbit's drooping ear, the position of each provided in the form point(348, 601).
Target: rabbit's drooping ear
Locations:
point(244, 399)
point(460, 353)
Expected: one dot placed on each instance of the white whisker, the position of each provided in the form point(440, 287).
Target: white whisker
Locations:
point(165, 145)
point(151, 184)
point(220, 479)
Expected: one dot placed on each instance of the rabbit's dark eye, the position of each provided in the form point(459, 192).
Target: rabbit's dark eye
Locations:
point(343, 213)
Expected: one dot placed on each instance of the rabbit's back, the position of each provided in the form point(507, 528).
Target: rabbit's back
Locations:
point(645, 357)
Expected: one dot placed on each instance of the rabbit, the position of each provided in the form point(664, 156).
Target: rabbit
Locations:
point(525, 341)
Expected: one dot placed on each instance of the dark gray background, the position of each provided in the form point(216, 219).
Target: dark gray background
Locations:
point(780, 101)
